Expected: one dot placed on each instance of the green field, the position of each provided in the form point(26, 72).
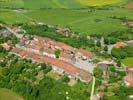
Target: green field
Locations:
point(6, 94)
point(128, 62)
point(81, 21)
point(84, 21)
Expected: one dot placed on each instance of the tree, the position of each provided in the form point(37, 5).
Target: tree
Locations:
point(57, 53)
point(106, 48)
point(119, 63)
point(65, 79)
point(5, 71)
point(98, 72)
point(98, 43)
point(43, 66)
point(3, 50)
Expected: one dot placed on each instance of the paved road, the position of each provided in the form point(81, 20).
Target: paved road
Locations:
point(93, 88)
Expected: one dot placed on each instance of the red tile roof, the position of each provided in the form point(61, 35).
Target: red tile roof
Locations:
point(9, 42)
point(130, 6)
point(120, 44)
point(130, 23)
point(48, 50)
point(85, 53)
point(66, 55)
point(101, 94)
point(129, 69)
point(54, 43)
point(64, 46)
point(129, 80)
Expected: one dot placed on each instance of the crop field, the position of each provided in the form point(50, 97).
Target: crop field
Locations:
point(6, 94)
point(99, 2)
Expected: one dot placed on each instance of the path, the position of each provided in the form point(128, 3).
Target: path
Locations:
point(110, 47)
point(93, 88)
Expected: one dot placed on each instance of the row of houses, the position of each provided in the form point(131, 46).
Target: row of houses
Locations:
point(48, 47)
point(71, 60)
point(57, 65)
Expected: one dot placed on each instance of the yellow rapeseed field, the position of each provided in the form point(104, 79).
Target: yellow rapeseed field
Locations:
point(98, 2)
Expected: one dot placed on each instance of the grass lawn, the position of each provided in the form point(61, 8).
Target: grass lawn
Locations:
point(6, 94)
point(128, 61)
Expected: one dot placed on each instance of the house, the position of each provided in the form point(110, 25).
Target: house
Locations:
point(119, 44)
point(5, 32)
point(84, 54)
point(98, 96)
point(104, 66)
point(15, 29)
point(49, 52)
point(128, 80)
point(66, 31)
point(67, 57)
point(129, 43)
point(129, 71)
point(130, 6)
point(7, 45)
point(65, 47)
point(130, 23)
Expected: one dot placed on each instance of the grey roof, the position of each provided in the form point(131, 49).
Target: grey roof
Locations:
point(21, 43)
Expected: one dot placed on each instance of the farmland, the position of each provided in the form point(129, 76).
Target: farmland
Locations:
point(99, 2)
point(56, 3)
point(85, 21)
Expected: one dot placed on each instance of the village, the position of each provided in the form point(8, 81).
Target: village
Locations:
point(77, 63)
